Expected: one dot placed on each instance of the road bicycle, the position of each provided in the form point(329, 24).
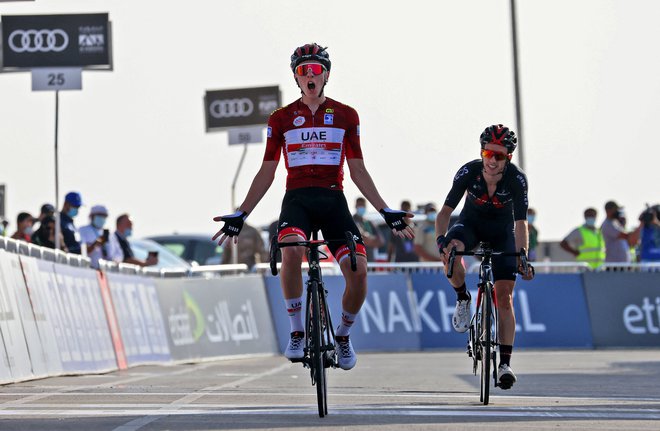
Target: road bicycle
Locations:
point(483, 338)
point(319, 350)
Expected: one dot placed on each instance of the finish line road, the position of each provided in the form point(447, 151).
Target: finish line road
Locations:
point(572, 390)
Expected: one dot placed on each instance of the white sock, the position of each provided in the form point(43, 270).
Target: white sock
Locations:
point(294, 308)
point(347, 320)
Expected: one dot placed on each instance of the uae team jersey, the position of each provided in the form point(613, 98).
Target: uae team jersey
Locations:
point(314, 146)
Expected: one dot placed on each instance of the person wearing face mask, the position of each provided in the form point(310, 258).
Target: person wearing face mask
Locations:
point(120, 248)
point(370, 234)
point(424, 244)
point(72, 203)
point(586, 242)
point(617, 240)
point(24, 229)
point(97, 245)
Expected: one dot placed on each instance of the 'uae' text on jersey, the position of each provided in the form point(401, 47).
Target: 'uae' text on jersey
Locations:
point(314, 146)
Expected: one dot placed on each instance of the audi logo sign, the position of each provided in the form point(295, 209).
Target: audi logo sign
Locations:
point(240, 107)
point(228, 108)
point(38, 40)
point(79, 40)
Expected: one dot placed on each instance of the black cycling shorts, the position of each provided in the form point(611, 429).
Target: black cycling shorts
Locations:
point(313, 208)
point(499, 234)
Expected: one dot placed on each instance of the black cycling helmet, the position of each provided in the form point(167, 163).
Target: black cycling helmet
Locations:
point(499, 135)
point(310, 51)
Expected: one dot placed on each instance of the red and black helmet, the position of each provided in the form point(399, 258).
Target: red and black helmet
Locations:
point(310, 51)
point(499, 135)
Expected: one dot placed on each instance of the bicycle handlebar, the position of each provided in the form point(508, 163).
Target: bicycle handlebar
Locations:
point(522, 254)
point(275, 246)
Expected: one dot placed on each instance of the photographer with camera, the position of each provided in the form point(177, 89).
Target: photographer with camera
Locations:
point(649, 248)
point(617, 240)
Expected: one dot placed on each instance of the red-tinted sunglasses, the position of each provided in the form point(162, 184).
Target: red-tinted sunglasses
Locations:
point(487, 154)
point(316, 68)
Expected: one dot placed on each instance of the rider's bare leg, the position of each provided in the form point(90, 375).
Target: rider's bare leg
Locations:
point(506, 323)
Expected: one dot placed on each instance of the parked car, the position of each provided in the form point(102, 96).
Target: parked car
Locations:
point(166, 259)
point(192, 247)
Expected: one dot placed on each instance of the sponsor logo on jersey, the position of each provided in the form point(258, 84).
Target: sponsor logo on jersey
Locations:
point(314, 146)
point(299, 121)
point(461, 172)
point(329, 111)
point(269, 132)
point(328, 119)
point(358, 130)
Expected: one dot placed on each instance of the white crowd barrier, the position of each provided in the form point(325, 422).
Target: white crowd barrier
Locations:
point(59, 316)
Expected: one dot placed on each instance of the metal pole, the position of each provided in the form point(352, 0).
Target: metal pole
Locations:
point(233, 183)
point(234, 255)
point(516, 79)
point(58, 228)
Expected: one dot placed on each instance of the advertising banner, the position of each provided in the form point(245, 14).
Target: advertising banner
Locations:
point(16, 358)
point(217, 317)
point(140, 320)
point(77, 40)
point(240, 107)
point(45, 314)
point(35, 364)
point(387, 321)
point(80, 289)
point(624, 308)
point(550, 310)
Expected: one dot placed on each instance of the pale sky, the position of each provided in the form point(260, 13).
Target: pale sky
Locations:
point(425, 76)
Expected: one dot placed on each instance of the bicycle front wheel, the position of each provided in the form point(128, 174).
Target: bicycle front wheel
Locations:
point(316, 352)
point(486, 341)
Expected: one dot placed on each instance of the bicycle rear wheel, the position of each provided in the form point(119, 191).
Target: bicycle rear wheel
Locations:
point(486, 341)
point(316, 352)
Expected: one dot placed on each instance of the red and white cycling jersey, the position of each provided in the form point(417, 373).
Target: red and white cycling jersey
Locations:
point(314, 146)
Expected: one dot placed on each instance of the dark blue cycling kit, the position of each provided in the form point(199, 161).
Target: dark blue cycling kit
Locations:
point(489, 218)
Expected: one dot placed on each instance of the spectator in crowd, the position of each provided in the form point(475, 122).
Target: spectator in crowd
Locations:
point(120, 248)
point(97, 239)
point(3, 226)
point(617, 240)
point(47, 210)
point(370, 234)
point(251, 249)
point(425, 244)
point(45, 235)
point(533, 234)
point(586, 242)
point(72, 202)
point(24, 223)
point(402, 249)
point(649, 248)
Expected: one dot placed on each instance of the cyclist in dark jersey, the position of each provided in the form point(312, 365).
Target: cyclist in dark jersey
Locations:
point(315, 135)
point(495, 211)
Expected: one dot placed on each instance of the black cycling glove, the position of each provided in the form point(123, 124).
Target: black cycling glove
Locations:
point(440, 240)
point(395, 219)
point(233, 223)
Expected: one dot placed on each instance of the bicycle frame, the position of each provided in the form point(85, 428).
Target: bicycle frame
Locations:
point(483, 332)
point(319, 350)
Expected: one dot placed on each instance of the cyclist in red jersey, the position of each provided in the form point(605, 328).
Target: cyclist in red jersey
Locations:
point(315, 135)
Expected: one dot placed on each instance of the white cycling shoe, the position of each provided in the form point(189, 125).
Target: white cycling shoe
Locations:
point(505, 376)
point(295, 348)
point(346, 355)
point(461, 319)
